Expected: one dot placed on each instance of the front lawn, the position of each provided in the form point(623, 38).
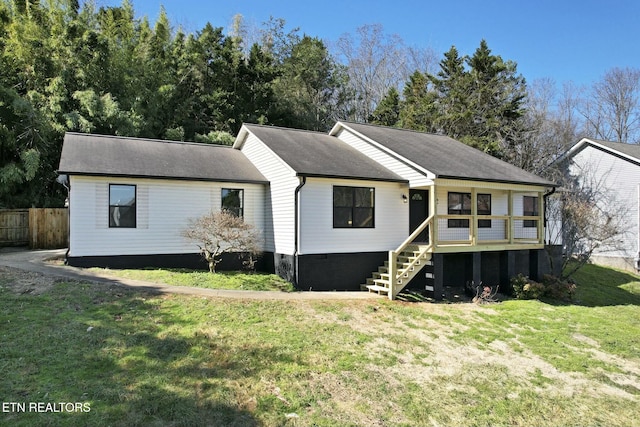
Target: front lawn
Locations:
point(204, 279)
point(138, 359)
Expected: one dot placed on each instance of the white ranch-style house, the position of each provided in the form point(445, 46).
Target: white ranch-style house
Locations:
point(362, 207)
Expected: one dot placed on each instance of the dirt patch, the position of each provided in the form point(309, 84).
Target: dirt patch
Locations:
point(25, 282)
point(425, 346)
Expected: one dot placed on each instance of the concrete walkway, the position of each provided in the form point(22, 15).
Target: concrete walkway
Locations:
point(36, 261)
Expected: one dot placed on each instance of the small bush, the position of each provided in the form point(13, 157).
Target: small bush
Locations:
point(551, 287)
point(525, 288)
point(558, 289)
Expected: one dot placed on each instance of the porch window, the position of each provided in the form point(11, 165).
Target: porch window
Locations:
point(233, 201)
point(122, 206)
point(459, 204)
point(530, 208)
point(484, 208)
point(353, 207)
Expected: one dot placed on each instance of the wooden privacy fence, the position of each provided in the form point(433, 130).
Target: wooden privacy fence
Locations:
point(14, 227)
point(40, 228)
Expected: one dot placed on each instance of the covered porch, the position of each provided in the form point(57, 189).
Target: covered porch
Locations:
point(465, 217)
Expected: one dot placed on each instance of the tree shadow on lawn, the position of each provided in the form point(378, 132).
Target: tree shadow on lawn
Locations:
point(139, 362)
point(599, 286)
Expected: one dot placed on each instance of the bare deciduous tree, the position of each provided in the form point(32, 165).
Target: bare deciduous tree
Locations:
point(220, 232)
point(584, 217)
point(376, 62)
point(612, 108)
point(550, 126)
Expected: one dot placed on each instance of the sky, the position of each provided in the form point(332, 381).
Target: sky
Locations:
point(565, 40)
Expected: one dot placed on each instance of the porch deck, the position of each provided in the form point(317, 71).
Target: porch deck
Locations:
point(406, 261)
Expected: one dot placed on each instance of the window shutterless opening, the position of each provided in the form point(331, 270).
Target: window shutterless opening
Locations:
point(122, 206)
point(353, 207)
point(530, 208)
point(233, 201)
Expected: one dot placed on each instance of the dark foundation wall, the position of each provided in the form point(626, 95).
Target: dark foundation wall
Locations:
point(284, 266)
point(457, 269)
point(230, 262)
point(492, 268)
point(343, 272)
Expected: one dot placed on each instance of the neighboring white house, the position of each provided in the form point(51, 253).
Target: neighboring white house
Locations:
point(362, 205)
point(615, 167)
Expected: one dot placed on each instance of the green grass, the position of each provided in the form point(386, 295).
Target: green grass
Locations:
point(604, 286)
point(204, 279)
point(139, 359)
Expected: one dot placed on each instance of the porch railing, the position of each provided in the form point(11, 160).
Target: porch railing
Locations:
point(487, 229)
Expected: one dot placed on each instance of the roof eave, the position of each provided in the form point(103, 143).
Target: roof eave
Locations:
point(353, 178)
point(165, 178)
point(502, 181)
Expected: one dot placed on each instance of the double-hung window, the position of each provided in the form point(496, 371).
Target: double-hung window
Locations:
point(530, 208)
point(459, 204)
point(353, 207)
point(233, 201)
point(484, 208)
point(122, 206)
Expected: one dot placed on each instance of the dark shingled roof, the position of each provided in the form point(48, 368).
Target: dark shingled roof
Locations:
point(631, 150)
point(446, 157)
point(99, 155)
point(320, 155)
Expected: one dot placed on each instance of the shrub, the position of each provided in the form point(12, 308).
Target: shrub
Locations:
point(221, 232)
point(558, 289)
point(525, 288)
point(551, 287)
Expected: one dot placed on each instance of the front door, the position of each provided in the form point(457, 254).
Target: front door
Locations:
point(419, 212)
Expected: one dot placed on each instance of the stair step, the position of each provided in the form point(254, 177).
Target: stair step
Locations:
point(408, 263)
point(378, 289)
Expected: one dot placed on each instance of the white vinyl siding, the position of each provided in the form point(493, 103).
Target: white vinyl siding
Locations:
point(280, 202)
point(416, 178)
point(621, 178)
point(164, 208)
point(318, 236)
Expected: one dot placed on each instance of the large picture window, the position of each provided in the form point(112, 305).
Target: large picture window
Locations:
point(233, 201)
point(353, 207)
point(122, 206)
point(530, 208)
point(459, 204)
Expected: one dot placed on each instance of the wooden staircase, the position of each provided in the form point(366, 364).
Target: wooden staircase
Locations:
point(409, 263)
point(403, 265)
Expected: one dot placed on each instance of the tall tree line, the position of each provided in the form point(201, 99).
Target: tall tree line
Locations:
point(64, 68)
point(87, 69)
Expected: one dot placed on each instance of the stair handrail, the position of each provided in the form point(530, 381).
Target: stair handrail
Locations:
point(400, 273)
point(394, 274)
point(415, 234)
